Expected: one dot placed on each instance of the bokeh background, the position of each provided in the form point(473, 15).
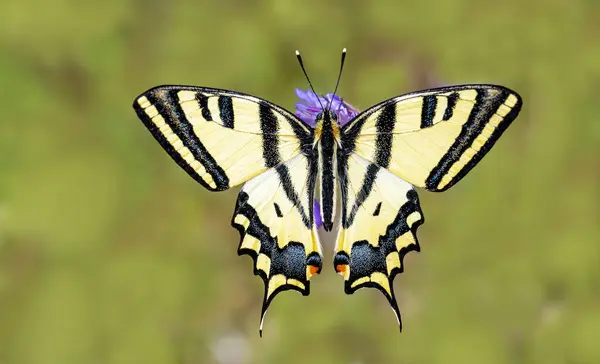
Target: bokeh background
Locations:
point(109, 253)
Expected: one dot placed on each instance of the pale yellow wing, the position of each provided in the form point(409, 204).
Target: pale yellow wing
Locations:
point(221, 138)
point(274, 215)
point(380, 217)
point(433, 138)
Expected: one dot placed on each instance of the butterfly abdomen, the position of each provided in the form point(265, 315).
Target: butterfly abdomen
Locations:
point(327, 150)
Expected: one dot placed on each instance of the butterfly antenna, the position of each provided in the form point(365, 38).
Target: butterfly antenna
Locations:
point(308, 79)
point(339, 76)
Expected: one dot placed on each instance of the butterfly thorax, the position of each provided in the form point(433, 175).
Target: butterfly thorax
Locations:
point(326, 144)
point(326, 120)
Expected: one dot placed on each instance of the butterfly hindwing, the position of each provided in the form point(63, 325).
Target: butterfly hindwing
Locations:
point(433, 138)
point(275, 218)
point(380, 217)
point(221, 138)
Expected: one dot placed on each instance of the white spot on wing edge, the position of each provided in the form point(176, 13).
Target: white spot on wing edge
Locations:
point(143, 102)
point(511, 100)
point(412, 218)
point(186, 95)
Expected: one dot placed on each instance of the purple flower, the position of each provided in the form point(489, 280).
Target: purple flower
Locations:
point(309, 107)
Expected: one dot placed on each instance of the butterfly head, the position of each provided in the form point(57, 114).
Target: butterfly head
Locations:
point(326, 120)
point(327, 116)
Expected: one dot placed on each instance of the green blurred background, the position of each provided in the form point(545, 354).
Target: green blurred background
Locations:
point(109, 253)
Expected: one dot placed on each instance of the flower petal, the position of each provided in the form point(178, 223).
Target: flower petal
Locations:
point(310, 106)
point(301, 94)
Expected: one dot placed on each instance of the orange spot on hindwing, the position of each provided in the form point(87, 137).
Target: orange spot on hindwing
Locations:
point(313, 264)
point(341, 263)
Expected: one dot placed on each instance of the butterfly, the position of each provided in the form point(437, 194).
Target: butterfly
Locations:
point(369, 166)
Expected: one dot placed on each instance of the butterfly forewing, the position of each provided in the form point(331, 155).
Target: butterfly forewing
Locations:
point(433, 138)
point(221, 138)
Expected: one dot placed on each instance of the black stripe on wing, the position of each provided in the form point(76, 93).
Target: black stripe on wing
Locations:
point(166, 103)
point(487, 103)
